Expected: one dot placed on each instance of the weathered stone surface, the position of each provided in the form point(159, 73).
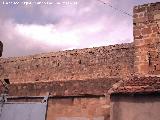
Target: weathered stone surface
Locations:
point(79, 109)
point(138, 85)
point(141, 107)
point(64, 88)
point(146, 36)
point(89, 63)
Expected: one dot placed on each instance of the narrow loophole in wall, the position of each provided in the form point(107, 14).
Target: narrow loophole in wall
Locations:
point(6, 81)
point(79, 61)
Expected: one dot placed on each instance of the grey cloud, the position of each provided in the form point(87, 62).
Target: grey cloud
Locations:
point(17, 45)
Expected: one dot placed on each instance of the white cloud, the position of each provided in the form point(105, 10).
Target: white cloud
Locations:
point(48, 35)
point(63, 35)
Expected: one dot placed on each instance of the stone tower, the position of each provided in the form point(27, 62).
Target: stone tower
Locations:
point(146, 31)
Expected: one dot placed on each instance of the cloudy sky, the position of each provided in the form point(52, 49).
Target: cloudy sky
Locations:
point(37, 26)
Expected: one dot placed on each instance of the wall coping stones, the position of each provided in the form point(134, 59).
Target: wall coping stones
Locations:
point(63, 88)
point(66, 52)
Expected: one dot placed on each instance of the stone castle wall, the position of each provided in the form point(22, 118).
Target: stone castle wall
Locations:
point(139, 58)
point(89, 63)
point(76, 79)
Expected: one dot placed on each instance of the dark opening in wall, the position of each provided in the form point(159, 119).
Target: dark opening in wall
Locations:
point(79, 61)
point(7, 81)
